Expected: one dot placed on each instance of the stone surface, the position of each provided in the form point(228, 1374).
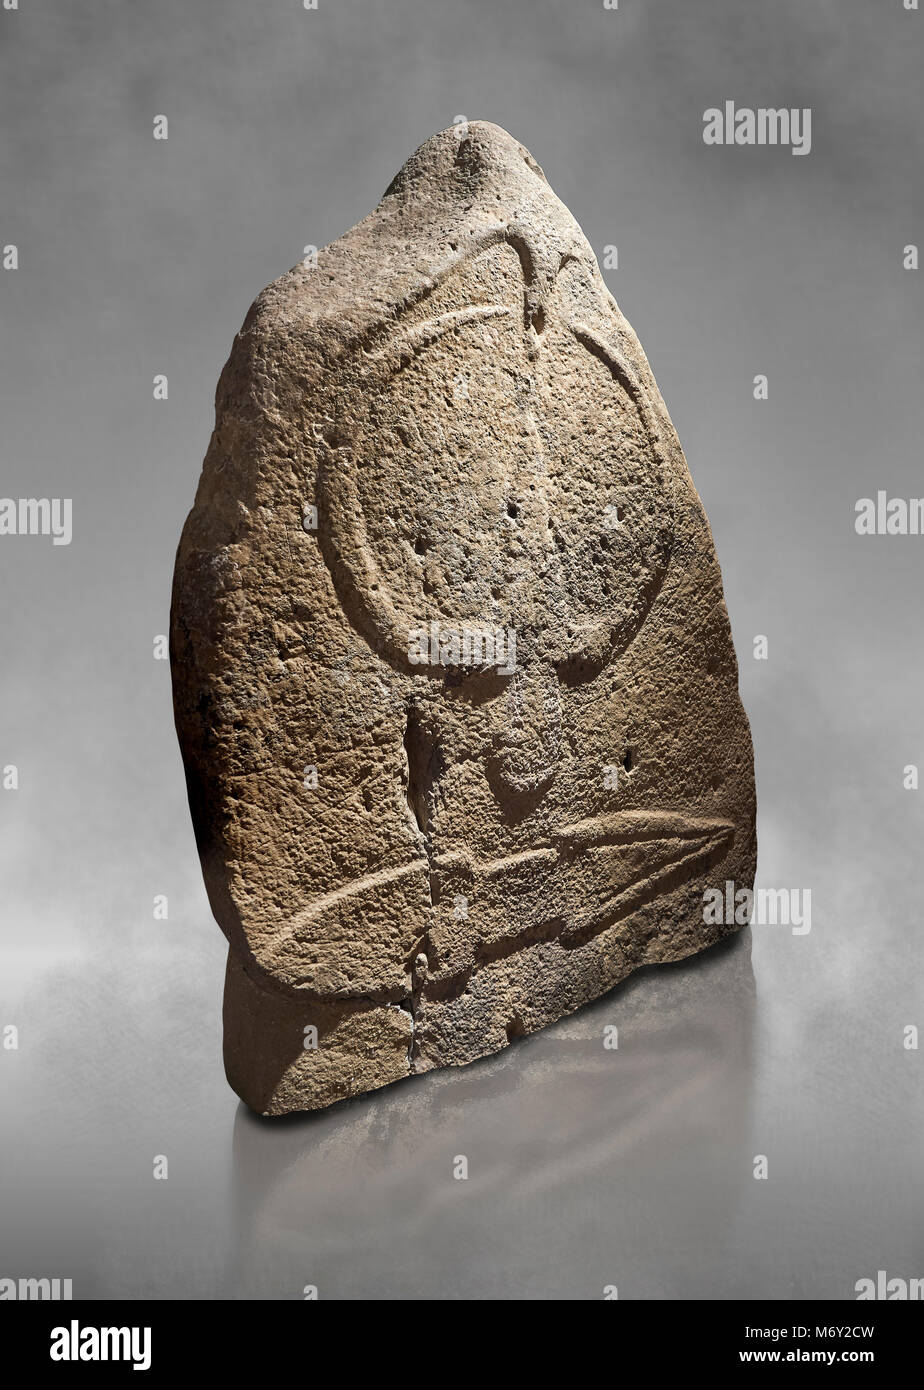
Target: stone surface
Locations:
point(419, 844)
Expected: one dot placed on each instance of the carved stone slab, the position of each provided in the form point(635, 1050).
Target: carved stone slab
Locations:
point(453, 676)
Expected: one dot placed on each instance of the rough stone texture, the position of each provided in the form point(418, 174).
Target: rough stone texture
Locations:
point(456, 392)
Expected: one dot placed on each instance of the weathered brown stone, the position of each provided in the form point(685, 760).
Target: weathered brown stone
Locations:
point(455, 391)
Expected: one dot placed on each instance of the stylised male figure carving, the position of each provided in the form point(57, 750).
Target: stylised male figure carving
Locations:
point(453, 675)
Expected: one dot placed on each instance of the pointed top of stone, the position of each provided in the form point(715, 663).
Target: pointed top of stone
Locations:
point(469, 153)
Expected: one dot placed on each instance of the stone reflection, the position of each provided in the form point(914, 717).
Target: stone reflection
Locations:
point(628, 1163)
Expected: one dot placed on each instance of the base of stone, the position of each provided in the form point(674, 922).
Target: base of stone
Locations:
point(361, 1046)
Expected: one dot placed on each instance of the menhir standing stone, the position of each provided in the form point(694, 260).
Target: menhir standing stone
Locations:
point(453, 675)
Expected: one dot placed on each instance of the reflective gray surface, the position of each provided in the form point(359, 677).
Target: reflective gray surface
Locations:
point(587, 1167)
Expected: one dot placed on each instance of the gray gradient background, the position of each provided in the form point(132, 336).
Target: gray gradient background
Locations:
point(140, 257)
